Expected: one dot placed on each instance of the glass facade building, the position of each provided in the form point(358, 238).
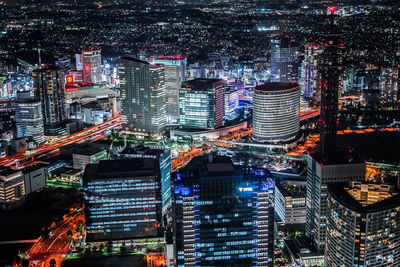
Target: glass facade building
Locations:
point(276, 112)
point(363, 225)
point(49, 88)
point(29, 118)
point(284, 66)
point(175, 74)
point(224, 214)
point(142, 89)
point(160, 154)
point(91, 66)
point(310, 79)
point(123, 200)
point(319, 176)
point(201, 104)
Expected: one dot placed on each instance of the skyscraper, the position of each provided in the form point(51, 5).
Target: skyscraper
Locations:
point(91, 66)
point(142, 96)
point(330, 69)
point(29, 117)
point(202, 104)
point(175, 74)
point(160, 154)
point(224, 214)
point(319, 176)
point(363, 225)
point(327, 165)
point(123, 199)
point(284, 65)
point(310, 84)
point(389, 85)
point(49, 88)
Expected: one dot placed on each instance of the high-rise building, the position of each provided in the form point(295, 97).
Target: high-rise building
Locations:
point(29, 117)
point(78, 62)
point(232, 93)
point(160, 154)
point(49, 88)
point(142, 96)
point(284, 65)
point(319, 176)
point(201, 103)
point(327, 165)
point(310, 76)
point(175, 74)
point(330, 68)
point(276, 112)
point(363, 225)
point(224, 214)
point(91, 66)
point(389, 85)
point(123, 199)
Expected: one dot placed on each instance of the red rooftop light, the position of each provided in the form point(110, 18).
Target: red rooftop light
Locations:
point(332, 9)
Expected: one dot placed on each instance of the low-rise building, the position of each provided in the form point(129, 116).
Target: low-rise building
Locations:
point(290, 201)
point(12, 188)
point(88, 155)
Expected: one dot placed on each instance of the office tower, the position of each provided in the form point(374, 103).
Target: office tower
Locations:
point(232, 93)
point(276, 112)
point(175, 74)
point(319, 175)
point(142, 96)
point(389, 85)
point(159, 154)
point(290, 201)
point(330, 70)
point(29, 117)
point(310, 84)
point(49, 88)
point(224, 214)
point(12, 188)
point(327, 165)
point(91, 66)
point(78, 62)
point(363, 225)
point(123, 199)
point(201, 104)
point(284, 65)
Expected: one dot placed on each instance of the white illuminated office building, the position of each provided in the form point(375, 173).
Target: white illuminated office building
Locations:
point(29, 118)
point(276, 112)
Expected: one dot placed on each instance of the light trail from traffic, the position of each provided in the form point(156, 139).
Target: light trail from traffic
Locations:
point(96, 132)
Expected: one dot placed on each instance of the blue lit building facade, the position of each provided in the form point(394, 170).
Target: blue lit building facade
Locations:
point(224, 214)
point(123, 200)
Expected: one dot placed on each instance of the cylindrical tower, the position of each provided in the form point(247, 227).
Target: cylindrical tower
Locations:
point(276, 112)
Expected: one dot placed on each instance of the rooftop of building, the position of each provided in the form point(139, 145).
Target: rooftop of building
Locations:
point(200, 84)
point(88, 150)
point(212, 166)
point(7, 174)
point(301, 247)
point(340, 157)
point(132, 59)
point(292, 189)
point(276, 86)
point(141, 150)
point(112, 169)
point(351, 197)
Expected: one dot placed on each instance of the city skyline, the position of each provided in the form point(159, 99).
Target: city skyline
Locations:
point(199, 133)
